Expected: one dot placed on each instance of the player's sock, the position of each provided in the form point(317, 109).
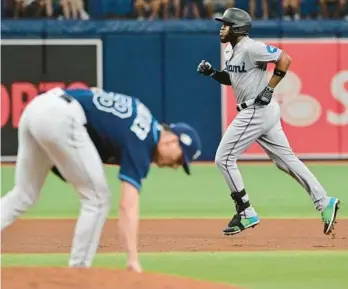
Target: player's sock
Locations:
point(249, 212)
point(322, 203)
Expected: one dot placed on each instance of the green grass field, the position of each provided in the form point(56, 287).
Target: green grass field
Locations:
point(169, 194)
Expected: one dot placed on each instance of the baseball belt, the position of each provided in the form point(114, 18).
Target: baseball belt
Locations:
point(67, 97)
point(245, 104)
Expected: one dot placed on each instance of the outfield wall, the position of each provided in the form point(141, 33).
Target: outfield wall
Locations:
point(157, 61)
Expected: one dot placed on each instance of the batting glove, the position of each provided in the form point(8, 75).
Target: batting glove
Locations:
point(205, 68)
point(265, 96)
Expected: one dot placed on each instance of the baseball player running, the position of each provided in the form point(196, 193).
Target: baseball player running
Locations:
point(73, 132)
point(258, 119)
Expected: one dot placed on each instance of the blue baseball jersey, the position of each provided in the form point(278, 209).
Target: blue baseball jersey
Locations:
point(122, 129)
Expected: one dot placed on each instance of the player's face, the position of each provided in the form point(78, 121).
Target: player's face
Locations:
point(170, 155)
point(225, 33)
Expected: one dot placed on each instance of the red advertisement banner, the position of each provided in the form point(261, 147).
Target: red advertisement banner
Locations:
point(313, 97)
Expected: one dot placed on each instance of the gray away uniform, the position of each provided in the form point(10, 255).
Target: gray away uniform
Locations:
point(246, 64)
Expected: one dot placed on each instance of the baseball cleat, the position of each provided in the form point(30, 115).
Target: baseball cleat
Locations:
point(239, 224)
point(329, 215)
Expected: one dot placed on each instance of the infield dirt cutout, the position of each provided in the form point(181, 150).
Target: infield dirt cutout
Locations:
point(178, 235)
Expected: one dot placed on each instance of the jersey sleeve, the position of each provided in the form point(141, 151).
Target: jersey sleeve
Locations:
point(261, 52)
point(135, 164)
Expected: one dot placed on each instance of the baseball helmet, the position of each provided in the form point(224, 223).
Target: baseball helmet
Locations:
point(238, 19)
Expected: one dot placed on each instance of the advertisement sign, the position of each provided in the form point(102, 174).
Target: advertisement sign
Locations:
point(313, 97)
point(32, 66)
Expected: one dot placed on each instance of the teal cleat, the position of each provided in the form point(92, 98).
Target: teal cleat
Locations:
point(239, 224)
point(329, 215)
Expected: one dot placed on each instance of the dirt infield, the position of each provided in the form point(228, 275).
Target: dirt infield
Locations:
point(54, 236)
point(63, 278)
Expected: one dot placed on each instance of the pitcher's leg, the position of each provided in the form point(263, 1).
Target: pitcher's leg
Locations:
point(32, 167)
point(242, 132)
point(95, 205)
point(78, 161)
point(276, 145)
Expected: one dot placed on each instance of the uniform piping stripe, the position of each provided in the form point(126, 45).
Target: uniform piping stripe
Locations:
point(231, 150)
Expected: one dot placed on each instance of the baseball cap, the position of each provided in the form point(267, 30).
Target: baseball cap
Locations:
point(190, 143)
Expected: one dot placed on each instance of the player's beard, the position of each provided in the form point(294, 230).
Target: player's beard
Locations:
point(223, 40)
point(226, 37)
point(158, 160)
point(224, 32)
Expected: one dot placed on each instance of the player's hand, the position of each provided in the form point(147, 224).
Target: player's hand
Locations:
point(205, 68)
point(134, 267)
point(264, 98)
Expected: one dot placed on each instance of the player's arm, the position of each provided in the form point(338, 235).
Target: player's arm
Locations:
point(281, 68)
point(259, 52)
point(128, 223)
point(222, 76)
point(207, 69)
point(135, 163)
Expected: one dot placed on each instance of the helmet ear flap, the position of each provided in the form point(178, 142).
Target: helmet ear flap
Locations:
point(234, 30)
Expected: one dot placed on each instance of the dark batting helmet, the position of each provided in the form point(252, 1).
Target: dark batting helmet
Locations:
point(238, 19)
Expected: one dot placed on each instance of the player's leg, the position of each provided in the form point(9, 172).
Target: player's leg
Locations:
point(32, 167)
point(248, 125)
point(75, 156)
point(276, 145)
point(83, 167)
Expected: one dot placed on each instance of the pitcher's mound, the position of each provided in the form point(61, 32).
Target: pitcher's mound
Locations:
point(66, 278)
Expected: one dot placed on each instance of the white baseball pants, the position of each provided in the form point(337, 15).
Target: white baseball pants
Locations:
point(52, 132)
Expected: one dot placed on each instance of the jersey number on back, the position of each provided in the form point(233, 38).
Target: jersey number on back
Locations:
point(142, 123)
point(115, 103)
point(121, 106)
